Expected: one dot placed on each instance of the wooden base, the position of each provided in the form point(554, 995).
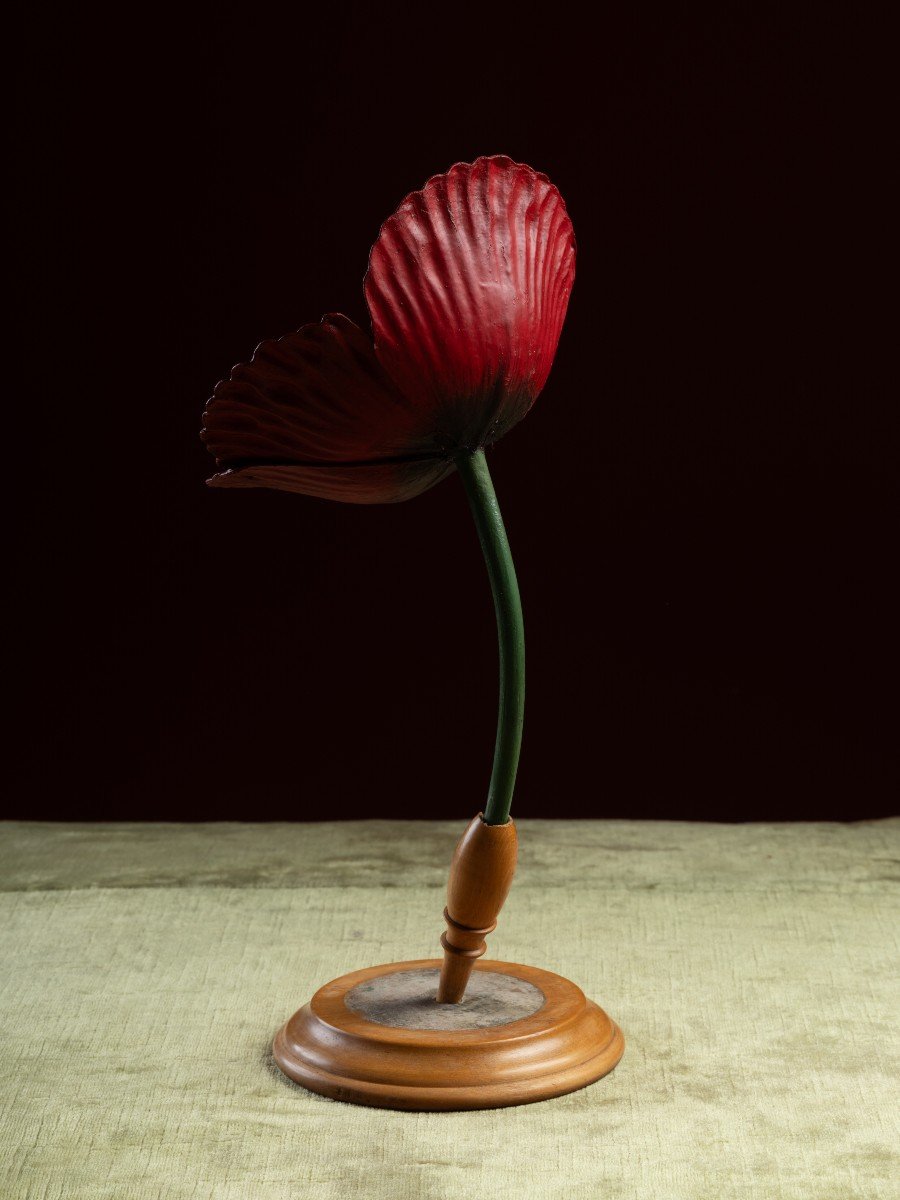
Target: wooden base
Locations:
point(335, 1050)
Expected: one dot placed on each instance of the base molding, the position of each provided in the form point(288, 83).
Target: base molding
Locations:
point(329, 1048)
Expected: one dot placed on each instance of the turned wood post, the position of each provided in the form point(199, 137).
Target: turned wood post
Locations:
point(480, 877)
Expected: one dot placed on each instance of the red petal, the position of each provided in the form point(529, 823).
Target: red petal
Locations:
point(374, 483)
point(468, 286)
point(314, 397)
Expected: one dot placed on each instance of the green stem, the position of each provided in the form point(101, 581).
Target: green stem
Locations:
point(476, 478)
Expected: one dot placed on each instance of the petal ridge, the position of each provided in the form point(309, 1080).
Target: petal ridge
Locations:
point(317, 395)
point(467, 287)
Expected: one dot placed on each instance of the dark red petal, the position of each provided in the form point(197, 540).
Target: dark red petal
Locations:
point(315, 396)
point(468, 286)
point(373, 483)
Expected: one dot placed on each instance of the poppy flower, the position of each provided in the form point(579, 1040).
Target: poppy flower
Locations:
point(467, 289)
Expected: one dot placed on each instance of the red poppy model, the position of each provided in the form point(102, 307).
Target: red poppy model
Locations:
point(467, 287)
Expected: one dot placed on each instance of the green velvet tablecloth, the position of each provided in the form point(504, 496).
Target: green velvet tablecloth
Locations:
point(145, 969)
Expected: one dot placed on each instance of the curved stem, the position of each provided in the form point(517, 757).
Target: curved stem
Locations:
point(476, 478)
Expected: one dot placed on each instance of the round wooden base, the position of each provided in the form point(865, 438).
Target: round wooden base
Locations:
point(333, 1049)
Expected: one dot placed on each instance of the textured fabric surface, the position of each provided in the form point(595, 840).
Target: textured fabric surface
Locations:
point(752, 968)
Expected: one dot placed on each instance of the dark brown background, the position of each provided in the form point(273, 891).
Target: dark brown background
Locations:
point(701, 503)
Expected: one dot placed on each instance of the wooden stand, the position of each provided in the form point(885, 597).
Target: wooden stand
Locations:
point(455, 1034)
point(481, 875)
point(332, 1049)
